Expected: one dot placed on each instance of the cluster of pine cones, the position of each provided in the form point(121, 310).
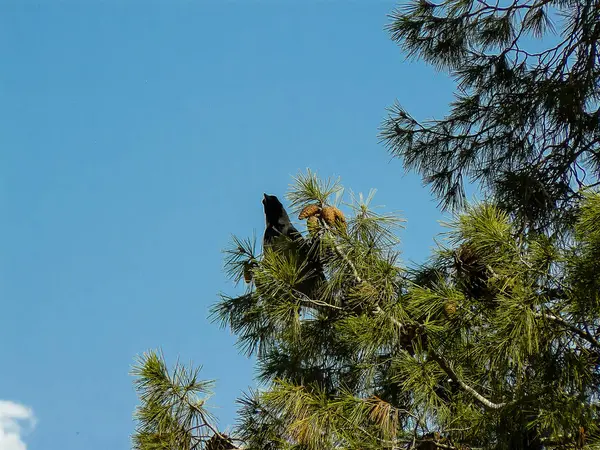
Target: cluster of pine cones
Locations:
point(220, 441)
point(331, 215)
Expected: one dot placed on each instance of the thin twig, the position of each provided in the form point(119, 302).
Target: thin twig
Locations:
point(581, 333)
point(484, 401)
point(305, 298)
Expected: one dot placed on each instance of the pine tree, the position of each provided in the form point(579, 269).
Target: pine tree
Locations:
point(171, 415)
point(525, 123)
point(494, 343)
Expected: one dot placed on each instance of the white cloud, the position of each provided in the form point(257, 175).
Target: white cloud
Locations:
point(12, 417)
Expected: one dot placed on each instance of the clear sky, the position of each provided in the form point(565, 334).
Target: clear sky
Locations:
point(135, 138)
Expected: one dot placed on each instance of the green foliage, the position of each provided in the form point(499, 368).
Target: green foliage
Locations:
point(494, 342)
point(525, 123)
point(310, 188)
point(171, 415)
point(491, 344)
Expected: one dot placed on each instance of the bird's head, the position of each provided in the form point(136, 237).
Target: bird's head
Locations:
point(274, 210)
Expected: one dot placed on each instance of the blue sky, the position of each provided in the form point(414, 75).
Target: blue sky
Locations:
point(135, 138)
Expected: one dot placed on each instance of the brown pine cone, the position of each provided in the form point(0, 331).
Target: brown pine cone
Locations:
point(248, 266)
point(328, 215)
point(220, 442)
point(333, 216)
point(309, 211)
point(339, 216)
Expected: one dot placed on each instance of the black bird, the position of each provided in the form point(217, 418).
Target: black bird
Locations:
point(280, 234)
point(278, 222)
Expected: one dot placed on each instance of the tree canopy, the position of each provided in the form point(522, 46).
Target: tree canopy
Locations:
point(494, 341)
point(525, 120)
point(491, 344)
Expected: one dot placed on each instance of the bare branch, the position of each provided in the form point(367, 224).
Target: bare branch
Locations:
point(452, 374)
point(581, 333)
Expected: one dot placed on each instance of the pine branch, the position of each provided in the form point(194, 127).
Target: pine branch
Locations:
point(515, 107)
point(441, 362)
point(341, 253)
point(306, 299)
point(581, 333)
point(452, 374)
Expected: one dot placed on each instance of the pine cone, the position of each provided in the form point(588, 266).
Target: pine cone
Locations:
point(339, 215)
point(473, 274)
point(450, 308)
point(309, 211)
point(333, 216)
point(313, 225)
point(328, 215)
point(220, 442)
point(248, 266)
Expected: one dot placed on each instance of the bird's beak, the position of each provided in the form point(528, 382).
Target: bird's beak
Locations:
point(265, 196)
